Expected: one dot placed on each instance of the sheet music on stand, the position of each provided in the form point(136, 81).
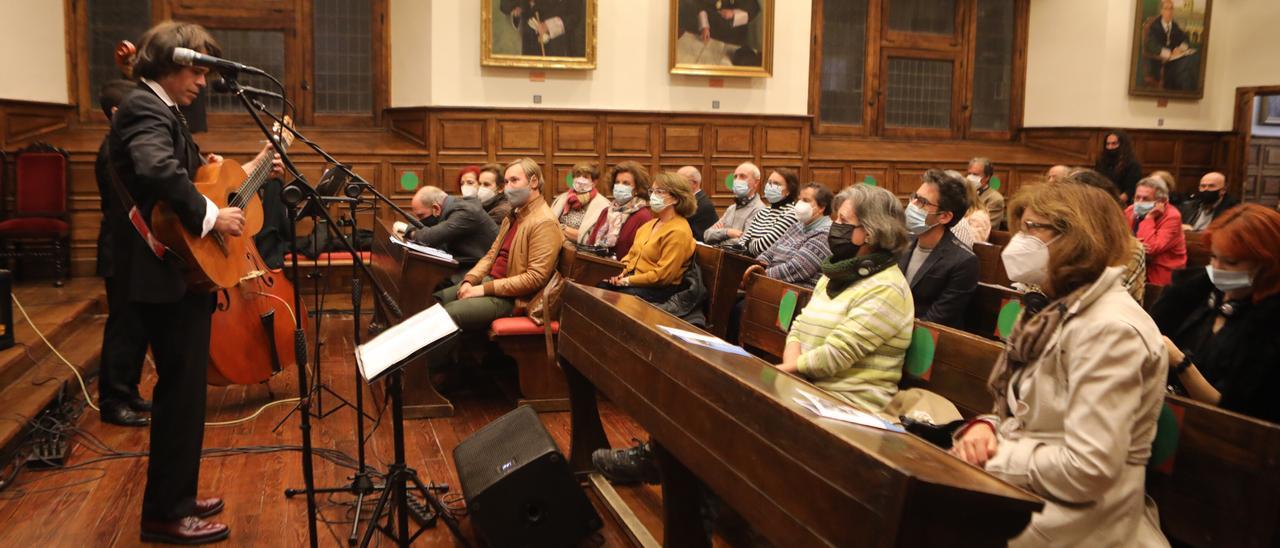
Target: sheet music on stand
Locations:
point(384, 353)
point(423, 249)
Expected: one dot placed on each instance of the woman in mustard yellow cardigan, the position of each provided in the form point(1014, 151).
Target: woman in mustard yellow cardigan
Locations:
point(654, 267)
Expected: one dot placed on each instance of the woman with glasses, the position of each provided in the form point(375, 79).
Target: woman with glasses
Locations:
point(780, 192)
point(851, 338)
point(615, 227)
point(655, 265)
point(1080, 384)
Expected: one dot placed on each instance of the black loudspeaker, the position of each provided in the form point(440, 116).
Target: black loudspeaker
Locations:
point(6, 309)
point(518, 488)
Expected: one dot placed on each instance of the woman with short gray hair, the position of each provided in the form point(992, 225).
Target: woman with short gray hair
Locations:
point(853, 335)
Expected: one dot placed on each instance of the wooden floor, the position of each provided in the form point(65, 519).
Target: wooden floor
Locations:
point(97, 502)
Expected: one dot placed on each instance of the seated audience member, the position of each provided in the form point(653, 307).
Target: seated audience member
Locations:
point(1207, 204)
point(977, 222)
point(615, 227)
point(654, 268)
point(455, 225)
point(705, 216)
point(582, 201)
point(1158, 226)
point(1080, 384)
point(942, 273)
point(1221, 321)
point(746, 205)
point(510, 277)
point(769, 224)
point(1135, 270)
point(1057, 173)
point(851, 338)
point(979, 173)
point(1167, 177)
point(797, 256)
point(485, 186)
point(1118, 163)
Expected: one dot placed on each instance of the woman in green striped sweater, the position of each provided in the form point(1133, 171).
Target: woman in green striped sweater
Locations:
point(851, 338)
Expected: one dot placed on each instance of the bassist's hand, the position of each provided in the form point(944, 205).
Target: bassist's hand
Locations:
point(230, 221)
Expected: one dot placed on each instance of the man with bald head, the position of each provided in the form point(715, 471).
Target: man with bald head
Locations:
point(705, 216)
point(459, 227)
point(1207, 204)
point(1057, 173)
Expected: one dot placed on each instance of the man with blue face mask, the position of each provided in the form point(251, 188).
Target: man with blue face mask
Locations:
point(746, 193)
point(943, 273)
point(1159, 227)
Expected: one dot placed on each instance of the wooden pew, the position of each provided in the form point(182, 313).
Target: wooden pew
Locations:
point(731, 423)
point(410, 278)
point(1197, 252)
point(990, 267)
point(760, 329)
point(708, 260)
point(1222, 485)
point(589, 269)
point(999, 237)
point(724, 293)
point(984, 309)
point(957, 368)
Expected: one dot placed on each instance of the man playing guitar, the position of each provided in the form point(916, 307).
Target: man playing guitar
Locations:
point(154, 156)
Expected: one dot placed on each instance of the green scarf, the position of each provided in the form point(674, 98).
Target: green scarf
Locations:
point(842, 274)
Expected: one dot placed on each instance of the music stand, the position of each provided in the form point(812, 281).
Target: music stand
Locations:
point(398, 473)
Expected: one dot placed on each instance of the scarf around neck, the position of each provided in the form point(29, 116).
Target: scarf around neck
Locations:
point(842, 274)
point(1027, 342)
point(573, 203)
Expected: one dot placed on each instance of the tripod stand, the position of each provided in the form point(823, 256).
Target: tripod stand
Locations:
point(395, 488)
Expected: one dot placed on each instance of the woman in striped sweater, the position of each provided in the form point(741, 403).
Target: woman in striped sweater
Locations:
point(769, 224)
point(797, 256)
point(852, 337)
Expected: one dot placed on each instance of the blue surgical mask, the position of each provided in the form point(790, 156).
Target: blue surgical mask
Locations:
point(657, 203)
point(772, 193)
point(1143, 208)
point(621, 193)
point(917, 219)
point(741, 189)
point(1229, 280)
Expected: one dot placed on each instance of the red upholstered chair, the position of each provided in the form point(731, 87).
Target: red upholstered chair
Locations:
point(533, 347)
point(38, 227)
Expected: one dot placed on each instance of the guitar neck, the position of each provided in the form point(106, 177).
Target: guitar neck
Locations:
point(249, 188)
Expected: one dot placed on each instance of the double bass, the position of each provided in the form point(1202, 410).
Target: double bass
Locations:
point(252, 335)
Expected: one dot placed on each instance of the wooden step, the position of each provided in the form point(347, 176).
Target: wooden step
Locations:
point(55, 311)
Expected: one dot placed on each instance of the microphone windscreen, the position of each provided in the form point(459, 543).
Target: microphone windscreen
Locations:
point(184, 56)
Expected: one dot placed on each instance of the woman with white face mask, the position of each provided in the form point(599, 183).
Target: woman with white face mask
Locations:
point(1080, 384)
point(780, 192)
point(487, 188)
point(1221, 321)
point(582, 200)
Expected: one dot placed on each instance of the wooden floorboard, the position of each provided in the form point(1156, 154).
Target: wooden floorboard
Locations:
point(79, 510)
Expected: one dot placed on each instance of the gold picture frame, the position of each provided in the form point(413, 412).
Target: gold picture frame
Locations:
point(506, 31)
point(744, 50)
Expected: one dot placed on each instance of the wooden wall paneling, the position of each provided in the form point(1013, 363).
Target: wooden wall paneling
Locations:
point(879, 172)
point(833, 176)
point(906, 179)
point(412, 125)
point(456, 137)
point(783, 142)
point(575, 137)
point(680, 140)
point(1157, 151)
point(1262, 171)
point(732, 141)
point(1021, 177)
point(713, 183)
point(520, 138)
point(629, 139)
point(1197, 153)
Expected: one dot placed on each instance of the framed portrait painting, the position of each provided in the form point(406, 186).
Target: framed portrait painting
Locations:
point(722, 37)
point(1170, 48)
point(1269, 110)
point(558, 34)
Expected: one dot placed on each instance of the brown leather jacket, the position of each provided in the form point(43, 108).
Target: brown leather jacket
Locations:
point(532, 261)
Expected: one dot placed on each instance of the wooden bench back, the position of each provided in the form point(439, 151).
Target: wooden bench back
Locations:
point(999, 237)
point(762, 326)
point(983, 314)
point(590, 270)
point(952, 364)
point(990, 267)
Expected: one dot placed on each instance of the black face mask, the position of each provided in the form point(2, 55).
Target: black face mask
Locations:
point(839, 240)
point(430, 220)
point(1208, 197)
point(1111, 153)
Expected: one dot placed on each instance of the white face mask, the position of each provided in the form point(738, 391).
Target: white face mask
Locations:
point(1026, 259)
point(803, 211)
point(975, 180)
point(469, 191)
point(1229, 280)
point(582, 185)
point(485, 194)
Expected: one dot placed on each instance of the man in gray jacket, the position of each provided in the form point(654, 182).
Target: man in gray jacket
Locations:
point(459, 227)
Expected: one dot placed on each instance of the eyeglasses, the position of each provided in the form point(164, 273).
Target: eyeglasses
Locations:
point(659, 192)
point(1029, 226)
point(921, 200)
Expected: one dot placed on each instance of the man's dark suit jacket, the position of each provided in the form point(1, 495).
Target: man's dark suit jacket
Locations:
point(1190, 208)
point(110, 206)
point(945, 283)
point(464, 230)
point(704, 217)
point(156, 158)
point(572, 13)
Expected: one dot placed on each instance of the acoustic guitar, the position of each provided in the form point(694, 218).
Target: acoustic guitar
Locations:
point(220, 260)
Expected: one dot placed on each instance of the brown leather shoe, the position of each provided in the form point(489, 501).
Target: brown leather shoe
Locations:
point(188, 530)
point(211, 506)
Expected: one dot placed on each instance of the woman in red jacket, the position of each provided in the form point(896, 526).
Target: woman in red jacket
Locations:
point(1159, 227)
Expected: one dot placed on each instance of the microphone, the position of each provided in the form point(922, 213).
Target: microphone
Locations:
point(190, 57)
point(221, 86)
